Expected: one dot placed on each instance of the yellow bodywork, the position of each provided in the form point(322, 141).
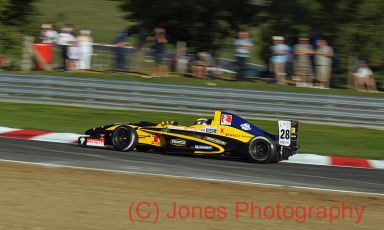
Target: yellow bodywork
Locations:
point(147, 136)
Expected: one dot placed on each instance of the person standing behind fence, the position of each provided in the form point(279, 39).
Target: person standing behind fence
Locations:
point(47, 35)
point(85, 44)
point(280, 55)
point(323, 60)
point(73, 55)
point(243, 45)
point(63, 39)
point(158, 36)
point(120, 50)
point(303, 66)
point(364, 77)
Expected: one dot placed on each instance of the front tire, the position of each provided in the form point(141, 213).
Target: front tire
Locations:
point(124, 138)
point(262, 150)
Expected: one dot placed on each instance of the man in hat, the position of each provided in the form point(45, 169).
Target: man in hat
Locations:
point(64, 38)
point(280, 55)
point(47, 34)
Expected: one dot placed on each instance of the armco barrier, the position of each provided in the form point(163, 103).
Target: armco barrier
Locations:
point(256, 104)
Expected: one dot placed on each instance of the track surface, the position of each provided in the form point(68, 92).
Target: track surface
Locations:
point(325, 177)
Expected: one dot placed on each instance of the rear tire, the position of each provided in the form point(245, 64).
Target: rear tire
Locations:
point(124, 138)
point(262, 150)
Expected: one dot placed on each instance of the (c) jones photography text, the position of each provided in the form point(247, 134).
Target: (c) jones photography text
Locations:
point(153, 212)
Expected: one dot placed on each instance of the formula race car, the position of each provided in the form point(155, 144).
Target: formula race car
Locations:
point(226, 135)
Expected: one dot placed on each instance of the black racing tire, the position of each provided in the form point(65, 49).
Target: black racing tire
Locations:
point(261, 150)
point(124, 138)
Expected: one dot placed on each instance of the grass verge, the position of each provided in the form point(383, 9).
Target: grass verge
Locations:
point(319, 139)
point(102, 17)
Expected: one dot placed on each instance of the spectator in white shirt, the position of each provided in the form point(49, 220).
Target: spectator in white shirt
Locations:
point(364, 77)
point(85, 44)
point(63, 40)
point(47, 34)
point(280, 56)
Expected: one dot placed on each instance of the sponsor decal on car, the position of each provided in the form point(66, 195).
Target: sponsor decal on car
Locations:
point(214, 140)
point(226, 119)
point(222, 130)
point(201, 130)
point(245, 126)
point(211, 129)
point(175, 127)
point(237, 135)
point(205, 147)
point(155, 140)
point(95, 142)
point(178, 142)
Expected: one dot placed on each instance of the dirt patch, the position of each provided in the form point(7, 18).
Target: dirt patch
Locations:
point(35, 197)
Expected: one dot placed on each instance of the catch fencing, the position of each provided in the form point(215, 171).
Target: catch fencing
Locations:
point(141, 61)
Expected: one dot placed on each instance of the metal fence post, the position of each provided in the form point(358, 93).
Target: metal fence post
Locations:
point(26, 60)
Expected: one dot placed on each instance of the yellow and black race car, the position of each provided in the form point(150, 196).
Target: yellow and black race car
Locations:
point(226, 134)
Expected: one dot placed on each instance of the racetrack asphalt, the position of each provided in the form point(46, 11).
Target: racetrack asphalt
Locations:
point(300, 175)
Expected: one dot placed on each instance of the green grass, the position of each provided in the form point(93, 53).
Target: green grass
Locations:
point(178, 80)
point(319, 139)
point(102, 17)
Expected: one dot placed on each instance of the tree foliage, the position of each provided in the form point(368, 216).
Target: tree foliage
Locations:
point(353, 27)
point(17, 18)
point(202, 23)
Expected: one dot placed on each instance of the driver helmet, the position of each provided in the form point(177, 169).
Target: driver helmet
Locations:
point(201, 121)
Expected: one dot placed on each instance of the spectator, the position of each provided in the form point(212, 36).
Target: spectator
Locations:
point(85, 43)
point(280, 56)
point(47, 34)
point(120, 51)
point(303, 66)
point(314, 38)
point(323, 60)
point(63, 40)
point(364, 77)
point(243, 45)
point(73, 55)
point(159, 38)
point(203, 66)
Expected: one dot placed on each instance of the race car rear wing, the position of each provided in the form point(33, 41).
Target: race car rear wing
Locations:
point(288, 133)
point(288, 139)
